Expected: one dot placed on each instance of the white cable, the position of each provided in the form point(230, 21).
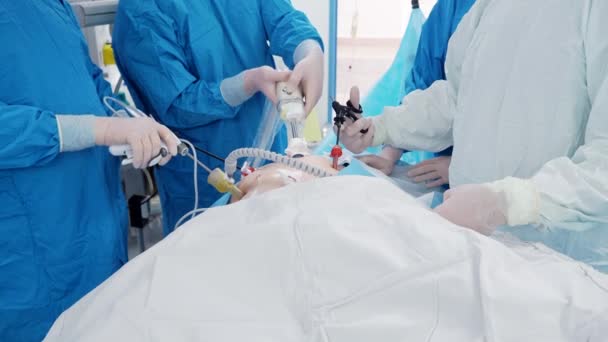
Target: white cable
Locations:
point(192, 213)
point(149, 179)
point(195, 177)
point(132, 111)
point(108, 99)
point(232, 159)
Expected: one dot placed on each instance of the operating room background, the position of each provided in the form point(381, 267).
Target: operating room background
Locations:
point(368, 34)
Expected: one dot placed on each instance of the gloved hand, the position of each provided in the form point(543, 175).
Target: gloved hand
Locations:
point(385, 161)
point(484, 207)
point(144, 135)
point(474, 206)
point(350, 133)
point(308, 73)
point(379, 163)
point(264, 79)
point(433, 172)
point(352, 138)
point(240, 88)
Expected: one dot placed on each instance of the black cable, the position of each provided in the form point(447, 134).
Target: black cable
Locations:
point(415, 4)
point(214, 156)
point(149, 197)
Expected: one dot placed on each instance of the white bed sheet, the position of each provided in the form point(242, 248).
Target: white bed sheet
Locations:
point(340, 259)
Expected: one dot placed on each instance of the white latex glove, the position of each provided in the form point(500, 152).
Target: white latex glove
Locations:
point(308, 73)
point(144, 135)
point(485, 207)
point(264, 79)
point(351, 136)
point(379, 163)
point(240, 88)
point(385, 161)
point(474, 206)
point(433, 172)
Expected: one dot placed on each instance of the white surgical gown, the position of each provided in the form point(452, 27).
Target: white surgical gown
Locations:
point(526, 96)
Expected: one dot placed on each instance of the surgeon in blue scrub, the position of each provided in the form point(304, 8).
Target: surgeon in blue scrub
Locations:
point(62, 213)
point(205, 69)
point(428, 67)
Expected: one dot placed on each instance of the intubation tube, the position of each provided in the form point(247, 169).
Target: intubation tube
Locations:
point(232, 159)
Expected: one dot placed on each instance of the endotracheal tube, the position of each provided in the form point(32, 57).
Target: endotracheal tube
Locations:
point(234, 156)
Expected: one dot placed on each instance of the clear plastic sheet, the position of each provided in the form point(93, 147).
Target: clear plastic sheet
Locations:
point(267, 130)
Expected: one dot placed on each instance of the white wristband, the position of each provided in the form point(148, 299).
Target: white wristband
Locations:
point(523, 200)
point(233, 90)
point(76, 132)
point(304, 49)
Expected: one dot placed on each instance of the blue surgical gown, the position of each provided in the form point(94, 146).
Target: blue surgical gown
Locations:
point(433, 46)
point(174, 54)
point(62, 215)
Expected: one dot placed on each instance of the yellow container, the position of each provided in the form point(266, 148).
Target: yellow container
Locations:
point(108, 54)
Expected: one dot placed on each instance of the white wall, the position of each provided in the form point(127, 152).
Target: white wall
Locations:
point(377, 18)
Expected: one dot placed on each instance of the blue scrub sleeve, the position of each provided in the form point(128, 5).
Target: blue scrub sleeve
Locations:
point(103, 87)
point(158, 70)
point(432, 48)
point(286, 28)
point(29, 136)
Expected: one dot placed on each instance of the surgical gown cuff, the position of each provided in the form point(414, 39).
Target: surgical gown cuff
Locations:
point(76, 132)
point(380, 131)
point(233, 90)
point(305, 48)
point(522, 200)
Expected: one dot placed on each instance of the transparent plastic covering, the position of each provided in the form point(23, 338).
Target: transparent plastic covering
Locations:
point(269, 127)
point(390, 88)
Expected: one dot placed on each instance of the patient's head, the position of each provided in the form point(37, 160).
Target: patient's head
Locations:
point(274, 176)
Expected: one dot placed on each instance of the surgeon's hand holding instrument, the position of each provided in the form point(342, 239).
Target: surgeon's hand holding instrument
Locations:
point(352, 136)
point(136, 135)
point(353, 112)
point(170, 144)
point(291, 110)
point(308, 73)
point(239, 88)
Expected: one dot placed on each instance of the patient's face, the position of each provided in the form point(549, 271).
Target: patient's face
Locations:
point(274, 176)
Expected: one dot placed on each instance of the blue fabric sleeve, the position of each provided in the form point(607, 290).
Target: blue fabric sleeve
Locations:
point(432, 49)
point(286, 28)
point(103, 87)
point(158, 69)
point(29, 136)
